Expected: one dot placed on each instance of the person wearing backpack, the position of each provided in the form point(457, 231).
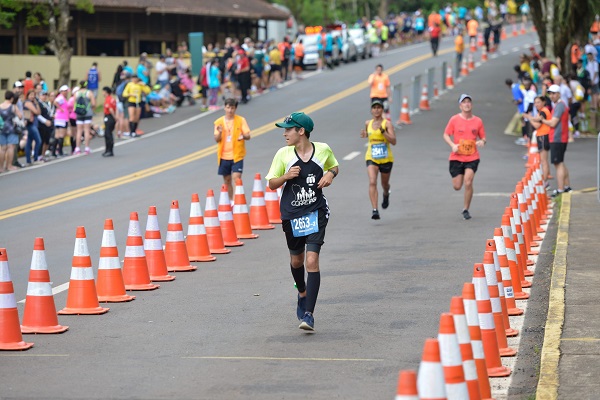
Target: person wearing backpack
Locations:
point(85, 102)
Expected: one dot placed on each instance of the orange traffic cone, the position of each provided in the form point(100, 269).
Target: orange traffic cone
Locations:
point(504, 265)
point(153, 248)
point(519, 244)
point(473, 46)
point(515, 31)
point(480, 40)
point(523, 30)
point(484, 56)
point(82, 297)
point(225, 213)
point(176, 254)
point(40, 312)
point(110, 285)
point(214, 235)
point(241, 214)
point(424, 102)
point(504, 281)
point(449, 78)
point(498, 307)
point(471, 63)
point(430, 379)
point(503, 34)
point(135, 268)
point(454, 375)
point(514, 264)
point(407, 386)
point(482, 295)
point(482, 331)
point(464, 71)
point(404, 118)
point(196, 240)
point(10, 331)
point(272, 203)
point(259, 219)
point(457, 309)
point(436, 92)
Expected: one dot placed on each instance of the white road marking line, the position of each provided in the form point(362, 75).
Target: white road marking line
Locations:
point(351, 156)
point(58, 289)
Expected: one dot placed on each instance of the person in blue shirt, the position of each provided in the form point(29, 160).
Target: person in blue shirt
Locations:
point(329, 49)
point(93, 79)
point(518, 100)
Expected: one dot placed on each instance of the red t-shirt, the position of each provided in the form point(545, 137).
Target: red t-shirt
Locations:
point(465, 132)
point(109, 104)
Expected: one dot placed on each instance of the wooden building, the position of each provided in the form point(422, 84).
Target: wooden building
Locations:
point(129, 27)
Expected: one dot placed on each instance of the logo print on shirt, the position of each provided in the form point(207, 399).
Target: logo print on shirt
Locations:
point(311, 179)
point(302, 197)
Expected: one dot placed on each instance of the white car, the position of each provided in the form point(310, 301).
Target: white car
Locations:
point(311, 51)
point(349, 51)
point(363, 46)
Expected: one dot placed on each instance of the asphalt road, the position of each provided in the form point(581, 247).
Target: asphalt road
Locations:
point(229, 329)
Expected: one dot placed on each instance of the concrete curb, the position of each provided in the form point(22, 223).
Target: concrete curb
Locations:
point(548, 383)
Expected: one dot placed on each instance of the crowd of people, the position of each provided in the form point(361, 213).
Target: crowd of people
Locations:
point(555, 103)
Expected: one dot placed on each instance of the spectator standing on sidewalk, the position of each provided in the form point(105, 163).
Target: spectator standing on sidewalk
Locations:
point(31, 111)
point(559, 138)
point(242, 71)
point(61, 120)
point(110, 120)
point(85, 102)
point(434, 38)
point(133, 93)
point(542, 133)
point(593, 70)
point(464, 134)
point(46, 122)
point(93, 79)
point(9, 139)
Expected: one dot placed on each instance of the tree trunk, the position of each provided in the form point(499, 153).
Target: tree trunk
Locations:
point(383, 9)
point(549, 45)
point(58, 40)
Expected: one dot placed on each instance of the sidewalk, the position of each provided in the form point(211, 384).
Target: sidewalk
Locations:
point(570, 364)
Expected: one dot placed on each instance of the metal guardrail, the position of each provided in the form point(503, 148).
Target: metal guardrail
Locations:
point(396, 105)
point(598, 168)
point(416, 92)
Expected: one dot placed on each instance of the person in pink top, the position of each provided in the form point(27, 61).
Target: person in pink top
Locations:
point(61, 120)
point(72, 129)
point(464, 134)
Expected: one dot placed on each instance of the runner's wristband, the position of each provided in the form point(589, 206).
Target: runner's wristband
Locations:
point(333, 172)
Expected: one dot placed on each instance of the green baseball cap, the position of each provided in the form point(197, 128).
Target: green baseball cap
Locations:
point(297, 120)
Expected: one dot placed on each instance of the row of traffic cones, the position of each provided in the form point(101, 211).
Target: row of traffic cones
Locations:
point(467, 66)
point(472, 338)
point(145, 260)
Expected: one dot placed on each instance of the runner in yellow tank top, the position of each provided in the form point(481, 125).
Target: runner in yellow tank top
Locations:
point(379, 155)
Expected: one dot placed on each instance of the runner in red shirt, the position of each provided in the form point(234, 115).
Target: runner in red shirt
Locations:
point(110, 118)
point(464, 133)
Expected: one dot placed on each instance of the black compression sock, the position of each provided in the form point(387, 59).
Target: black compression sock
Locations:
point(313, 282)
point(298, 274)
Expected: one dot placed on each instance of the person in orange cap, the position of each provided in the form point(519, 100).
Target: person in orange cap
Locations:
point(303, 168)
point(464, 134)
